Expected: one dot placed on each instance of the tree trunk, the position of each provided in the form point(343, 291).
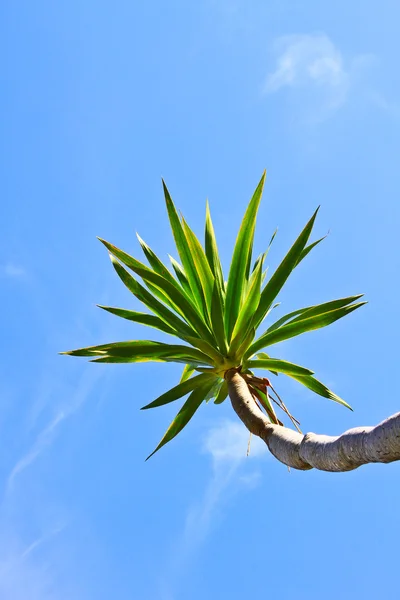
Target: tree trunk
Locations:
point(355, 447)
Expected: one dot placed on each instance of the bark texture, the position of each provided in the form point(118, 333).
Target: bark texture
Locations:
point(355, 447)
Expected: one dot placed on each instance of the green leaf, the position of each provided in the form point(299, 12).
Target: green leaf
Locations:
point(310, 311)
point(151, 302)
point(278, 279)
point(265, 254)
point(154, 285)
point(201, 263)
point(297, 328)
point(308, 249)
point(180, 359)
point(217, 319)
point(240, 261)
point(206, 348)
point(271, 309)
point(272, 239)
point(177, 296)
point(166, 351)
point(157, 265)
point(179, 390)
point(180, 273)
point(139, 317)
point(284, 319)
point(320, 309)
point(222, 394)
point(282, 366)
point(249, 306)
point(319, 388)
point(240, 352)
point(265, 356)
point(184, 252)
point(185, 414)
point(139, 350)
point(213, 393)
point(187, 372)
point(211, 250)
point(256, 263)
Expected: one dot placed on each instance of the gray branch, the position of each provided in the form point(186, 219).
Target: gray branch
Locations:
point(355, 447)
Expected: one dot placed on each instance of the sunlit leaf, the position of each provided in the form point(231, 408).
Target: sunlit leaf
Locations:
point(176, 295)
point(180, 273)
point(222, 394)
point(184, 252)
point(139, 317)
point(319, 388)
point(185, 414)
point(187, 372)
point(213, 393)
point(211, 250)
point(292, 329)
point(217, 319)
point(201, 263)
point(206, 348)
point(180, 390)
point(240, 261)
point(278, 279)
point(308, 249)
point(310, 311)
point(151, 302)
point(282, 366)
point(249, 306)
point(157, 265)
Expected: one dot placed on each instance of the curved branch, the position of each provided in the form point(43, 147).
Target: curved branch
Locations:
point(355, 447)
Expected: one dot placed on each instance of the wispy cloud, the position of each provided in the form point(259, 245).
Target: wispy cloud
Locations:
point(12, 270)
point(40, 541)
point(45, 437)
point(24, 575)
point(226, 443)
point(314, 66)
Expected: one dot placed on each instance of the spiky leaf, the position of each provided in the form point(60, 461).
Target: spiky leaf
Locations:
point(310, 311)
point(319, 388)
point(187, 372)
point(176, 295)
point(185, 414)
point(185, 253)
point(139, 317)
point(211, 250)
point(180, 390)
point(240, 261)
point(275, 364)
point(222, 394)
point(278, 279)
point(302, 326)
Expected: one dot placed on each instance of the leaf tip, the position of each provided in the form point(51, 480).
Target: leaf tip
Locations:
point(150, 455)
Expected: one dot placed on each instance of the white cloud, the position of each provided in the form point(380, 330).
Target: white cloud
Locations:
point(42, 441)
point(46, 436)
point(24, 575)
point(313, 66)
point(12, 270)
point(228, 441)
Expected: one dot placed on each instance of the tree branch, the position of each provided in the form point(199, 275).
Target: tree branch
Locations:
point(355, 447)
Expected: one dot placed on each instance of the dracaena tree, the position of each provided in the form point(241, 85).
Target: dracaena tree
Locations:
point(226, 328)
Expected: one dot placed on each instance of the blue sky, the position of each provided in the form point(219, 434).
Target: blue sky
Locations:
point(100, 101)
